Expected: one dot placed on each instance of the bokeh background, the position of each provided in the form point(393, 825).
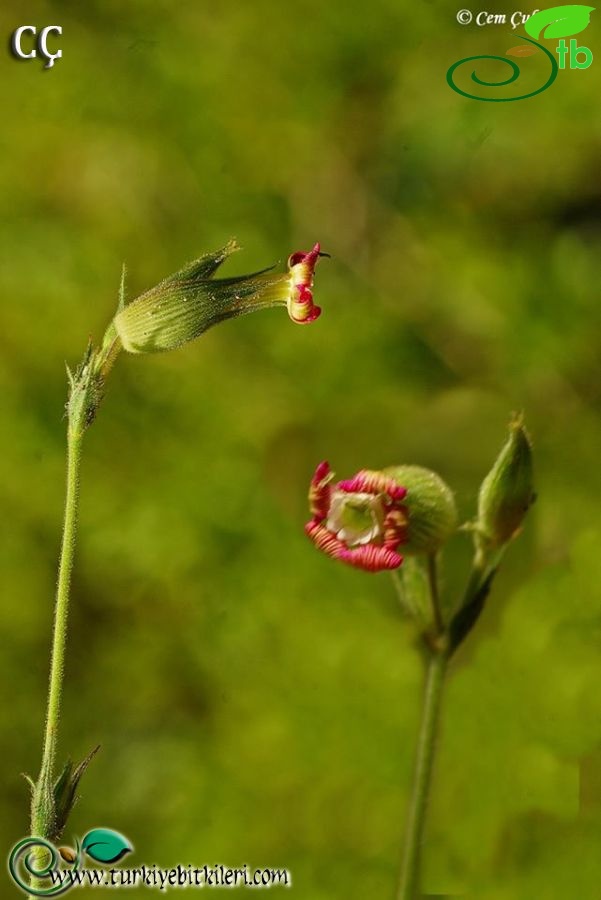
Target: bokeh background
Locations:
point(255, 701)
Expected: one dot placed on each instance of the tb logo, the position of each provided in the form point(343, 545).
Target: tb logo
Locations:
point(575, 51)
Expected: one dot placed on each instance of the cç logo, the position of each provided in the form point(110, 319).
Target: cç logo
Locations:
point(36, 865)
point(550, 24)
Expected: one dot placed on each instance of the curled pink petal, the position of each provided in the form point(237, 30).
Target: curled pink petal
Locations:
point(301, 265)
point(367, 557)
point(396, 523)
point(371, 558)
point(324, 540)
point(322, 471)
point(373, 547)
point(301, 308)
point(369, 482)
point(309, 259)
point(314, 313)
point(320, 491)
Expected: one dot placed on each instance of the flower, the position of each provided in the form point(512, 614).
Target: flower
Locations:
point(364, 520)
point(186, 304)
point(301, 266)
point(361, 521)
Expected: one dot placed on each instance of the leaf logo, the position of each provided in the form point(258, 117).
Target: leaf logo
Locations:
point(105, 846)
point(559, 21)
point(526, 50)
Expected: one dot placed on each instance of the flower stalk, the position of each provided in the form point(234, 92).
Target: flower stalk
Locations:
point(436, 667)
point(167, 316)
point(43, 819)
point(52, 800)
point(435, 655)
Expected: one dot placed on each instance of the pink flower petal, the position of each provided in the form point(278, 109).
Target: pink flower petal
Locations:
point(320, 491)
point(370, 482)
point(371, 558)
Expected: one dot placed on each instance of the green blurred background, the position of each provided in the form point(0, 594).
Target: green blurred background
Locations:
point(255, 701)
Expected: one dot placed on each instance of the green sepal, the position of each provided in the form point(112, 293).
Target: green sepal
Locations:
point(466, 617)
point(85, 391)
point(65, 791)
point(43, 807)
point(121, 302)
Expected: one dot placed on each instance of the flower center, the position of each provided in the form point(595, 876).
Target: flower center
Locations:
point(356, 518)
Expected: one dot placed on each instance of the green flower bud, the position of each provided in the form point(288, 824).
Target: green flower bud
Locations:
point(189, 302)
point(431, 508)
point(507, 491)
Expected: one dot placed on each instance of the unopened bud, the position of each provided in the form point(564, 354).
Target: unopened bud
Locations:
point(432, 514)
point(507, 491)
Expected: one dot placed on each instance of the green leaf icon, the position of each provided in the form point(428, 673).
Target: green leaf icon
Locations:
point(105, 846)
point(559, 21)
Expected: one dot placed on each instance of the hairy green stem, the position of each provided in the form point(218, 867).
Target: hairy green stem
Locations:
point(42, 812)
point(426, 745)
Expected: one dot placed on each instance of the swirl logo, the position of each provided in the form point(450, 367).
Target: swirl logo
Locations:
point(558, 22)
point(36, 865)
point(33, 861)
point(515, 74)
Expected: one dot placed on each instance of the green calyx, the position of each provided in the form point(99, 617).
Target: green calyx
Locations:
point(431, 507)
point(186, 304)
